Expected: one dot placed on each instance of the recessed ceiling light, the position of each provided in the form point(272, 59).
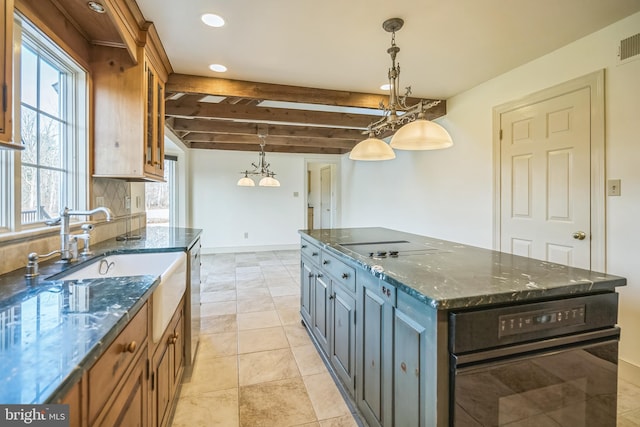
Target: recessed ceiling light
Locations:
point(96, 7)
point(212, 20)
point(218, 68)
point(385, 86)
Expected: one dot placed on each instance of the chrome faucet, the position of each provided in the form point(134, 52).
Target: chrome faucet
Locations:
point(68, 241)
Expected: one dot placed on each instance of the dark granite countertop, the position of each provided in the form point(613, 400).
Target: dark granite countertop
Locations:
point(449, 275)
point(52, 331)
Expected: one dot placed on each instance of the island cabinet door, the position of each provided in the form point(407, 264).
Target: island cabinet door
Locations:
point(320, 313)
point(307, 277)
point(343, 335)
point(408, 376)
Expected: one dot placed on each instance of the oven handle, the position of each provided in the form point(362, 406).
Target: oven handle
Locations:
point(556, 344)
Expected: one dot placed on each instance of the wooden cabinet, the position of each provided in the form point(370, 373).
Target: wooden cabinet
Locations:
point(117, 382)
point(129, 112)
point(167, 368)
point(76, 405)
point(6, 70)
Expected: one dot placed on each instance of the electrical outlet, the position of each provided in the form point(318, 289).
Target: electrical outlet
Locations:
point(246, 235)
point(613, 187)
point(99, 201)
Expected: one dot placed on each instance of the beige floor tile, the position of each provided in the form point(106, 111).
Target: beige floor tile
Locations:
point(287, 301)
point(297, 335)
point(289, 316)
point(325, 397)
point(212, 374)
point(218, 408)
point(218, 296)
point(218, 324)
point(250, 284)
point(275, 404)
point(266, 366)
point(258, 320)
point(279, 291)
point(218, 345)
point(217, 308)
point(209, 286)
point(255, 340)
point(249, 305)
point(261, 292)
point(344, 421)
point(308, 360)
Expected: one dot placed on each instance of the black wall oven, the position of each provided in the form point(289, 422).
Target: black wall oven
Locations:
point(552, 363)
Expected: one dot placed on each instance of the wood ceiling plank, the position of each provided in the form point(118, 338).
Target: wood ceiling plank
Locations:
point(248, 113)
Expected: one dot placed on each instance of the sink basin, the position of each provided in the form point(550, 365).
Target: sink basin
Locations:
point(170, 266)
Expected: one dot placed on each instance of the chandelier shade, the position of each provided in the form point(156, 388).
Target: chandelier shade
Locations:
point(412, 130)
point(261, 169)
point(421, 134)
point(372, 149)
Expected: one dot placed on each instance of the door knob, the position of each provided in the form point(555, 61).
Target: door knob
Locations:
point(579, 235)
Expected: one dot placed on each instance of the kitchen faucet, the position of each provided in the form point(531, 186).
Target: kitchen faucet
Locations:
point(68, 242)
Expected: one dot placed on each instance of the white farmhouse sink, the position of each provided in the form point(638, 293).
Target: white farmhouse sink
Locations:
point(170, 266)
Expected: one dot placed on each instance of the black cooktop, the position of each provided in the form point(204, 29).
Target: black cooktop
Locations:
point(385, 249)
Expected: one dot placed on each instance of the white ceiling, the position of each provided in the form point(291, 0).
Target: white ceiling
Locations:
point(447, 46)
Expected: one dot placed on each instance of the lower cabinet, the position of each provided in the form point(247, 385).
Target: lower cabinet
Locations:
point(343, 335)
point(167, 366)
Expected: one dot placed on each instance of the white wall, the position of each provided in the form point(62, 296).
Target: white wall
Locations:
point(448, 193)
point(270, 216)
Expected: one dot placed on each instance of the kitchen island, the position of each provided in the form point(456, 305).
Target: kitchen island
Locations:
point(400, 317)
point(58, 334)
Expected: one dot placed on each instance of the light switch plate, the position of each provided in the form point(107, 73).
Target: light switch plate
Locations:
point(613, 187)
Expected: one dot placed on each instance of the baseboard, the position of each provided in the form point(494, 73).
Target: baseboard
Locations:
point(240, 249)
point(629, 372)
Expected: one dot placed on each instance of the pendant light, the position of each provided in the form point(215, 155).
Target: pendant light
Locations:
point(262, 169)
point(414, 132)
point(245, 181)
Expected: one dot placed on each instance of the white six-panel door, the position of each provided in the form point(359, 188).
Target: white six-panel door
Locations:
point(545, 179)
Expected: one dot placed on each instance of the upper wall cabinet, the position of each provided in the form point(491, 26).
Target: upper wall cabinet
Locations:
point(6, 41)
point(129, 112)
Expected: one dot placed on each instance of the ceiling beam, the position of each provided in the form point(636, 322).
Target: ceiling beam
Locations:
point(226, 126)
point(276, 92)
point(272, 149)
point(251, 113)
point(270, 141)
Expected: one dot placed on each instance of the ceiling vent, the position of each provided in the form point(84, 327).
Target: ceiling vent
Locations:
point(629, 47)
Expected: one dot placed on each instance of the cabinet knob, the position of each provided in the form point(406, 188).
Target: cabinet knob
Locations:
point(403, 366)
point(173, 339)
point(303, 246)
point(325, 262)
point(320, 275)
point(131, 347)
point(345, 275)
point(314, 253)
point(332, 296)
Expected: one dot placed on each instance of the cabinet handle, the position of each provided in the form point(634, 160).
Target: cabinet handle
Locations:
point(325, 262)
point(320, 275)
point(332, 296)
point(314, 253)
point(131, 347)
point(173, 339)
point(310, 275)
point(304, 246)
point(345, 275)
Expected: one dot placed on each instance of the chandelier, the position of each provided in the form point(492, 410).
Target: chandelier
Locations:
point(260, 169)
point(414, 131)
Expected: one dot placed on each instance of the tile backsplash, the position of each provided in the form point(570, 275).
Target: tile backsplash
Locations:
point(112, 193)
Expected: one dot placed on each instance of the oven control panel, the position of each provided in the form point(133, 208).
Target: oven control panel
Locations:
point(539, 320)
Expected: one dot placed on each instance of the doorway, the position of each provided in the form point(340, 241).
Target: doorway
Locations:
point(322, 197)
point(549, 174)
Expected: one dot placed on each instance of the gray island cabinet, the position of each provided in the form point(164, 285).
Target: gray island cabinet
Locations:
point(387, 311)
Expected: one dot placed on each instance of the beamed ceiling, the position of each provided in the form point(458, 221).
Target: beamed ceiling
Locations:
point(213, 113)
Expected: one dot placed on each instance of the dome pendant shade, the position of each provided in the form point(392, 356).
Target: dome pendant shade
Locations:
point(269, 181)
point(245, 181)
point(372, 149)
point(421, 134)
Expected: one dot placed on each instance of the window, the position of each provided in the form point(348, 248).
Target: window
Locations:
point(160, 197)
point(51, 172)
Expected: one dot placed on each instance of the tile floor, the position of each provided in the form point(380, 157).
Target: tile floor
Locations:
point(257, 366)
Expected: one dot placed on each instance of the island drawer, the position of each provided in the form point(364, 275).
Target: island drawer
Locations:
point(310, 250)
point(339, 271)
point(107, 372)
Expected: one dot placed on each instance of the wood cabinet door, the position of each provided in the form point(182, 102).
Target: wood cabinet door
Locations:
point(343, 336)
point(408, 361)
point(320, 315)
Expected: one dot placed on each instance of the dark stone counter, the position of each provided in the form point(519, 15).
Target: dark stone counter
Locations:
point(448, 275)
point(52, 331)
